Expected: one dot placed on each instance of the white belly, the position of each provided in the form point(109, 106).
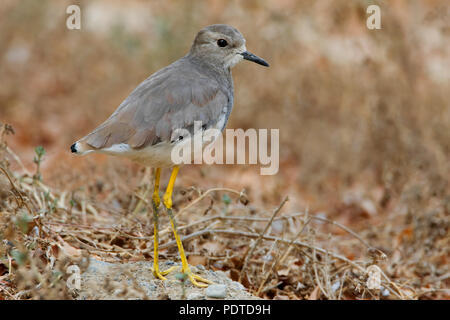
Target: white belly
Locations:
point(158, 156)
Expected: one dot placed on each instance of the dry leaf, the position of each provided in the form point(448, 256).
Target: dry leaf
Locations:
point(315, 294)
point(69, 251)
point(196, 260)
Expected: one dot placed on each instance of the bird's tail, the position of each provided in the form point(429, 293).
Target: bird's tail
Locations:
point(81, 147)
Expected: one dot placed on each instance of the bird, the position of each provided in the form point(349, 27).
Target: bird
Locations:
point(197, 87)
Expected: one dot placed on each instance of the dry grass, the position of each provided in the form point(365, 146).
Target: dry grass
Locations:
point(290, 256)
point(365, 145)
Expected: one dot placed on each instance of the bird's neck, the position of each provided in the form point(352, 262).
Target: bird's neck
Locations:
point(221, 73)
point(206, 64)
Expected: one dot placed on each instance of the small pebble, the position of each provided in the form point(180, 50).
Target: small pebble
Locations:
point(218, 291)
point(336, 286)
point(384, 292)
point(200, 267)
point(237, 286)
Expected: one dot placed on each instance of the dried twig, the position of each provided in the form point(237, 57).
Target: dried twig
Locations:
point(16, 191)
point(202, 196)
point(249, 252)
point(343, 228)
point(281, 258)
point(255, 235)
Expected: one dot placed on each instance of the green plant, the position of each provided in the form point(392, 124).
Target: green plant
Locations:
point(182, 277)
point(40, 152)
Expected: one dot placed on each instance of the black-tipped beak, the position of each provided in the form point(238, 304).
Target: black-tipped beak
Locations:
point(251, 57)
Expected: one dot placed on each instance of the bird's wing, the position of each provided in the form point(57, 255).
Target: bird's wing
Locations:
point(170, 99)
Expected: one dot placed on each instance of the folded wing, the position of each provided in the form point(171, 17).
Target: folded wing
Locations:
point(170, 99)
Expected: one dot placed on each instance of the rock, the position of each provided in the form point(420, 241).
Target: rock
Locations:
point(134, 280)
point(195, 296)
point(218, 291)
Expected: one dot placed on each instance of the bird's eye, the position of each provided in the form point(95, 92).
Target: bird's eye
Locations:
point(222, 43)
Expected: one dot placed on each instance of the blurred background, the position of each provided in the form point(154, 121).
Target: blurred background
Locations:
point(364, 115)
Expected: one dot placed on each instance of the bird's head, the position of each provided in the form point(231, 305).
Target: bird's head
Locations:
point(222, 45)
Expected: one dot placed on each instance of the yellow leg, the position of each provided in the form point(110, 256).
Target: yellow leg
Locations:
point(155, 204)
point(167, 200)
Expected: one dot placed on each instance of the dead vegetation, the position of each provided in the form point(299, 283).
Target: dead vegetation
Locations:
point(274, 255)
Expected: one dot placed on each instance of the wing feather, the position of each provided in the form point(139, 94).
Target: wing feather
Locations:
point(171, 99)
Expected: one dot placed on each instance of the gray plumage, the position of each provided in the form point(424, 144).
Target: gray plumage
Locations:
point(197, 87)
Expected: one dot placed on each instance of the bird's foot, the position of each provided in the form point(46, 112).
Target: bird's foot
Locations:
point(160, 274)
point(196, 280)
